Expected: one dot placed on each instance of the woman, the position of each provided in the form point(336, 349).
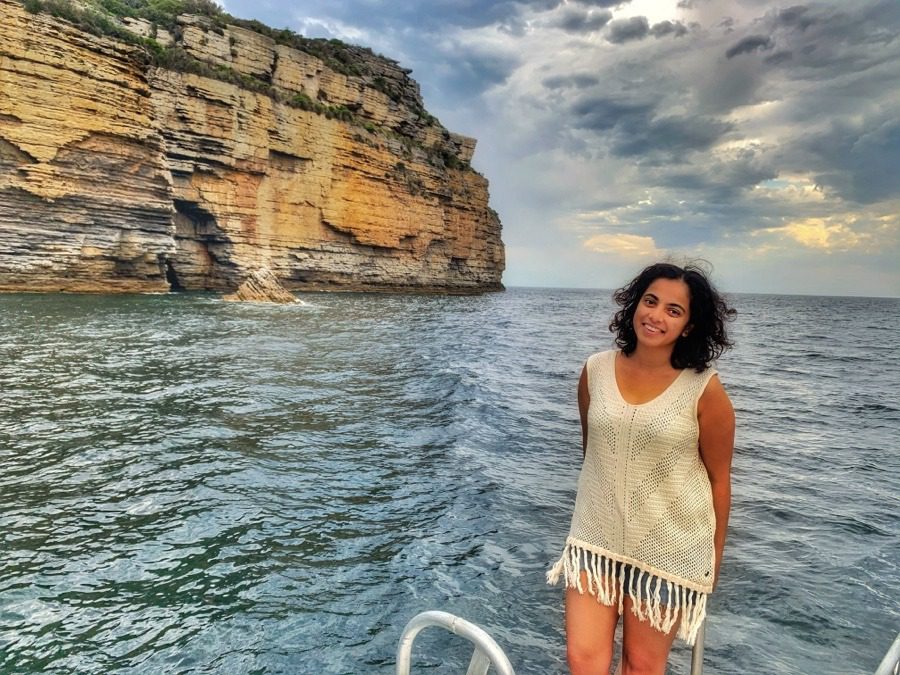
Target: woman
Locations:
point(654, 492)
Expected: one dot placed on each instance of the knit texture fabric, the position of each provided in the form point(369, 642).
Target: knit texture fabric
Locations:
point(644, 499)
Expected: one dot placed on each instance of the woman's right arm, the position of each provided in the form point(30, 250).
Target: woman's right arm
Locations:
point(584, 402)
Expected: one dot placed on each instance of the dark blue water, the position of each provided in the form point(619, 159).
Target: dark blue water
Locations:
point(192, 486)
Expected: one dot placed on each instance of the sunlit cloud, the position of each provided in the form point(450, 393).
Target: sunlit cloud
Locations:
point(821, 234)
point(632, 246)
point(859, 233)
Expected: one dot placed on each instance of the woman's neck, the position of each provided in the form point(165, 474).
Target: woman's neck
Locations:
point(651, 359)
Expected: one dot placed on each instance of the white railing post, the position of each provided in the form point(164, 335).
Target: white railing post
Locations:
point(697, 653)
point(479, 664)
point(487, 652)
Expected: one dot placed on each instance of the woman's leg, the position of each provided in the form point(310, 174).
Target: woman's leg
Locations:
point(590, 627)
point(645, 650)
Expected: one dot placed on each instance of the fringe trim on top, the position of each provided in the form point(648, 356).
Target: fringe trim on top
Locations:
point(600, 572)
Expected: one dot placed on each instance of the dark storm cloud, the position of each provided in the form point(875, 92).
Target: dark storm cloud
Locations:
point(837, 42)
point(637, 28)
point(626, 30)
point(442, 14)
point(724, 89)
point(749, 44)
point(778, 57)
point(575, 20)
point(795, 17)
point(721, 181)
point(663, 28)
point(672, 136)
point(472, 72)
point(599, 113)
point(578, 81)
point(633, 128)
point(860, 162)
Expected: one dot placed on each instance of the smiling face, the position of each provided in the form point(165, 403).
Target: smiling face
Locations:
point(663, 313)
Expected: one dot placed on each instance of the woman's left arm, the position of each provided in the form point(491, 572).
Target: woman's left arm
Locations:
point(715, 415)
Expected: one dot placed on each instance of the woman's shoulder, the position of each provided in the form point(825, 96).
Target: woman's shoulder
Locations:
point(714, 400)
point(597, 364)
point(705, 376)
point(697, 383)
point(599, 357)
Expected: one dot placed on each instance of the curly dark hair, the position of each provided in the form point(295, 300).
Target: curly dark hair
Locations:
point(705, 342)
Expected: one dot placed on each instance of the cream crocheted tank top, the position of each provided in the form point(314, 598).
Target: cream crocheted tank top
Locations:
point(644, 499)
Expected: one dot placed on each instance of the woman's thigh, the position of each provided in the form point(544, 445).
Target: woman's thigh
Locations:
point(644, 649)
point(590, 628)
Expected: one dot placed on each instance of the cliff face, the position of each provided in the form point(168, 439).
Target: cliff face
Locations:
point(117, 176)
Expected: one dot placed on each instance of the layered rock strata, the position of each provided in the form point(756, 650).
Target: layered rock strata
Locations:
point(115, 176)
point(85, 190)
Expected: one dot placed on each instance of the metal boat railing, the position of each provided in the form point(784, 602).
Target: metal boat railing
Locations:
point(890, 664)
point(488, 653)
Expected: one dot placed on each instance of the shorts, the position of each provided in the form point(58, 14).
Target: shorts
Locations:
point(644, 586)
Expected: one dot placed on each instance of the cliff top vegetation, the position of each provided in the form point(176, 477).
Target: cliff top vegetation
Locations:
point(102, 17)
point(106, 18)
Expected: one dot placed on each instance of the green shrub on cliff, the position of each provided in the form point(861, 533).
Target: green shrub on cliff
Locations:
point(117, 8)
point(177, 59)
point(164, 13)
point(88, 18)
point(99, 16)
point(332, 112)
point(304, 102)
point(339, 112)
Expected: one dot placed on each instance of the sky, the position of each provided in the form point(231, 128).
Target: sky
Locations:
point(758, 136)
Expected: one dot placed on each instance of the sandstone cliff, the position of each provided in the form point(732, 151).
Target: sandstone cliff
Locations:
point(117, 175)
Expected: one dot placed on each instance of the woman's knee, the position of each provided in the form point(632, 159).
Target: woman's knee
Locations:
point(588, 658)
point(636, 663)
point(638, 660)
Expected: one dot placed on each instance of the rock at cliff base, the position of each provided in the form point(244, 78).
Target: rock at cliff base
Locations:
point(261, 286)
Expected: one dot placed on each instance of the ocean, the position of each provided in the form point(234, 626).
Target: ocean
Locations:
point(194, 486)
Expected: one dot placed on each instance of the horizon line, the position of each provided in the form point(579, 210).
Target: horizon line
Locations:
point(805, 295)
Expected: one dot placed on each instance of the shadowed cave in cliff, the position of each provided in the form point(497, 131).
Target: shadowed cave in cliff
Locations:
point(172, 277)
point(204, 254)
